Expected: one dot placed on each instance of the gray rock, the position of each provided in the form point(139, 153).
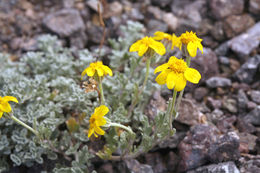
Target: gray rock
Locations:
point(224, 8)
point(244, 126)
point(206, 64)
point(224, 60)
point(248, 140)
point(215, 82)
point(173, 141)
point(64, 22)
point(156, 25)
point(254, 7)
point(236, 24)
point(242, 101)
point(135, 167)
point(226, 148)
point(213, 103)
point(226, 167)
point(249, 165)
point(222, 49)
point(226, 124)
point(230, 105)
point(217, 31)
point(194, 147)
point(248, 70)
point(253, 116)
point(255, 96)
point(214, 116)
point(156, 160)
point(162, 3)
point(245, 43)
point(200, 93)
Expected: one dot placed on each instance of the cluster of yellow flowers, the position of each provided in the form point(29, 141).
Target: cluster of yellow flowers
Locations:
point(175, 73)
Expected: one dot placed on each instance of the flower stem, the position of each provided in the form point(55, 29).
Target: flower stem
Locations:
point(172, 107)
point(101, 91)
point(123, 127)
point(181, 93)
point(148, 62)
point(24, 125)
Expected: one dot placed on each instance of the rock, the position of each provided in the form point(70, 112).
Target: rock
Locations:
point(156, 25)
point(114, 9)
point(206, 64)
point(172, 161)
point(106, 168)
point(245, 43)
point(93, 4)
point(222, 50)
point(217, 31)
point(200, 93)
point(224, 60)
point(226, 124)
point(156, 161)
point(255, 96)
point(136, 167)
point(254, 7)
point(248, 70)
point(244, 126)
point(64, 22)
point(171, 21)
point(213, 103)
point(226, 148)
point(173, 141)
point(242, 101)
point(236, 24)
point(94, 33)
point(155, 11)
point(230, 105)
point(157, 103)
point(253, 116)
point(251, 105)
point(209, 42)
point(226, 167)
point(249, 165)
point(187, 110)
point(78, 40)
point(215, 82)
point(194, 147)
point(223, 8)
point(248, 140)
point(161, 3)
point(215, 116)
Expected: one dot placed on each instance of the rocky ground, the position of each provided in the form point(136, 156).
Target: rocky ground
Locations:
point(223, 133)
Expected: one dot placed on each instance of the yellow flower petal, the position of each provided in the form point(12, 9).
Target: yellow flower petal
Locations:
point(10, 98)
point(192, 75)
point(90, 132)
point(158, 47)
point(192, 49)
point(100, 71)
point(170, 80)
point(161, 68)
point(158, 35)
point(176, 42)
point(1, 114)
point(101, 110)
point(200, 47)
point(161, 78)
point(90, 71)
point(180, 82)
point(5, 107)
point(107, 70)
point(135, 46)
point(98, 130)
point(142, 49)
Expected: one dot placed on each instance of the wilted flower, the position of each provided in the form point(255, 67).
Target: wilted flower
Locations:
point(96, 120)
point(4, 105)
point(175, 73)
point(97, 67)
point(143, 45)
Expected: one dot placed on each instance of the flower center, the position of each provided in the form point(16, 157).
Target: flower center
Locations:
point(92, 120)
point(178, 66)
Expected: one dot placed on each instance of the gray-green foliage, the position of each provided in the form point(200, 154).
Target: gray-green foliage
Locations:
point(48, 87)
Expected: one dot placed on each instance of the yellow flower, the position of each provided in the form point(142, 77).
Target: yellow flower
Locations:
point(158, 35)
point(189, 39)
point(4, 105)
point(141, 46)
point(96, 120)
point(102, 70)
point(175, 73)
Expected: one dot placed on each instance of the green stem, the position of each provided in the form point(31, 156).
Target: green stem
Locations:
point(101, 91)
point(172, 107)
point(181, 93)
point(123, 127)
point(148, 62)
point(133, 104)
point(24, 125)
